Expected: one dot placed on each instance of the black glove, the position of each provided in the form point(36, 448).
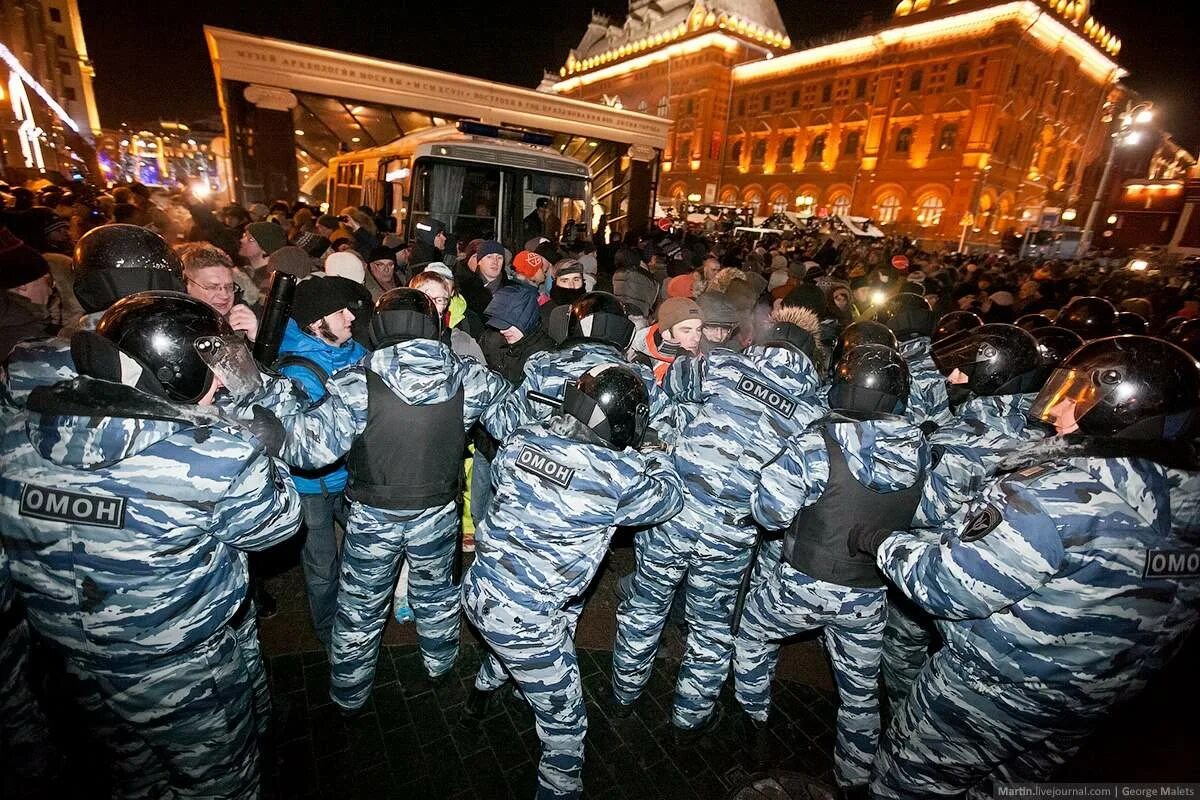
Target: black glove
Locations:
point(267, 428)
point(865, 540)
point(650, 441)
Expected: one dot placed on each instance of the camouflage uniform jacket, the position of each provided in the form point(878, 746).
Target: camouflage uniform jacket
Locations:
point(927, 398)
point(966, 452)
point(1061, 574)
point(559, 495)
point(125, 517)
point(750, 405)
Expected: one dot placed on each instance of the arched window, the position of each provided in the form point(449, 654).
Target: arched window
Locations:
point(930, 210)
point(888, 210)
point(779, 204)
point(662, 106)
point(962, 74)
point(642, 106)
point(840, 205)
point(728, 197)
point(904, 140)
point(735, 154)
point(786, 149)
point(754, 201)
point(850, 146)
point(816, 150)
point(759, 152)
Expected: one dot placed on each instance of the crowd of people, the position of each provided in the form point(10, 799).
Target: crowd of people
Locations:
point(975, 474)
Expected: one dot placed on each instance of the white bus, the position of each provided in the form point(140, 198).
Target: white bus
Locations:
point(481, 181)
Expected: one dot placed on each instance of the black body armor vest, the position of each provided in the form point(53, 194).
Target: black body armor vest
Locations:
point(816, 542)
point(409, 457)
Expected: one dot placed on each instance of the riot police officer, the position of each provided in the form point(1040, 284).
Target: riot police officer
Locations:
point(562, 487)
point(410, 406)
point(909, 316)
point(747, 405)
point(856, 471)
point(1066, 587)
point(110, 262)
point(127, 504)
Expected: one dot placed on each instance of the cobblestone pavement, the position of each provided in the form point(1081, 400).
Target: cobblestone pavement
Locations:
point(410, 742)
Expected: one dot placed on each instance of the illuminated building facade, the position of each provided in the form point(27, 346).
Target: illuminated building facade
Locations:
point(48, 116)
point(981, 113)
point(168, 154)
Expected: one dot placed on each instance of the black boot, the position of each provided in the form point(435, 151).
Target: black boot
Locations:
point(614, 709)
point(756, 743)
point(686, 737)
point(479, 703)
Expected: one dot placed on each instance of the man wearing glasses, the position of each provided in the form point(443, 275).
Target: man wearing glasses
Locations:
point(208, 276)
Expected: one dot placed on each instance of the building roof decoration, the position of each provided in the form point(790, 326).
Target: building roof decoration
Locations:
point(654, 23)
point(1072, 12)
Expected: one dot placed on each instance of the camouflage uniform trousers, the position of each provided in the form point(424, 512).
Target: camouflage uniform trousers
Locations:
point(906, 640)
point(246, 632)
point(24, 734)
point(790, 602)
point(177, 726)
point(713, 566)
point(535, 644)
point(960, 728)
point(376, 542)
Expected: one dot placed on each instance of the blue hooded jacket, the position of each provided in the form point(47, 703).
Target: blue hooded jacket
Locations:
point(331, 359)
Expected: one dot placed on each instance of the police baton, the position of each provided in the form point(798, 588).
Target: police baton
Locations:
point(743, 590)
point(275, 316)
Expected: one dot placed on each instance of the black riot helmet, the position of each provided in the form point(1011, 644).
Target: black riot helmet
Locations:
point(148, 340)
point(998, 359)
point(870, 380)
point(954, 323)
point(908, 316)
point(1170, 326)
point(1132, 387)
point(1090, 317)
point(115, 261)
point(1131, 322)
point(1054, 344)
point(402, 314)
point(865, 331)
point(612, 402)
point(600, 316)
point(1187, 337)
point(1031, 322)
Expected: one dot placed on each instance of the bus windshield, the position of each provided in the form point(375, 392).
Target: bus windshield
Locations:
point(463, 196)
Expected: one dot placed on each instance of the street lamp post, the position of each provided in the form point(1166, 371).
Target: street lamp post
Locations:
point(1138, 115)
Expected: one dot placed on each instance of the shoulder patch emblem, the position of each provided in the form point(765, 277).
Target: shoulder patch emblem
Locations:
point(766, 395)
point(57, 505)
point(981, 524)
point(1182, 563)
point(541, 465)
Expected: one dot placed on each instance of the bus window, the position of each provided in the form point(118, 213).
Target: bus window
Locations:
point(563, 197)
point(463, 196)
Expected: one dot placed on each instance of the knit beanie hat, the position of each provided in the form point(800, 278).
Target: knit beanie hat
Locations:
point(567, 266)
point(318, 297)
point(489, 248)
point(807, 295)
point(527, 264)
point(270, 237)
point(675, 310)
point(328, 221)
point(717, 309)
point(19, 263)
point(292, 260)
point(346, 264)
point(681, 285)
point(513, 307)
point(778, 278)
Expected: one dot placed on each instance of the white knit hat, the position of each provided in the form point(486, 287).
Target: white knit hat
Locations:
point(346, 265)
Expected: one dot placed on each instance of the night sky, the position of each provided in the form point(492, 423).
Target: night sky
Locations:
point(151, 60)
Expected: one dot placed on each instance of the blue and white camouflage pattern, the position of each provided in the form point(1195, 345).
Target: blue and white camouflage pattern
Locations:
point(37, 362)
point(140, 602)
point(884, 455)
point(548, 372)
point(748, 405)
point(966, 452)
point(1051, 612)
point(419, 372)
point(559, 496)
point(927, 398)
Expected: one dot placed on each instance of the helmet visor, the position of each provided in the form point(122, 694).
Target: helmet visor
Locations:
point(961, 354)
point(229, 359)
point(1067, 384)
